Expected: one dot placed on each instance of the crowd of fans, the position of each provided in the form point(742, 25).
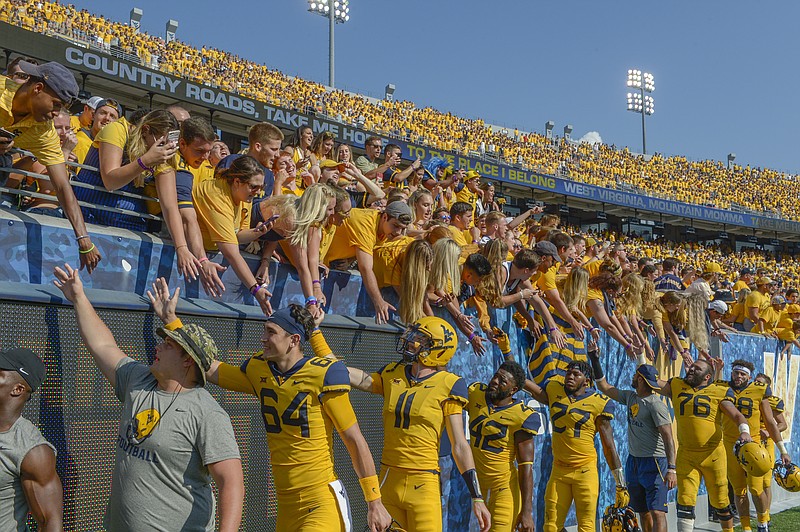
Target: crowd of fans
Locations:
point(707, 182)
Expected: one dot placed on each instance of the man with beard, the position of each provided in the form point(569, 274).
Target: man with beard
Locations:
point(577, 413)
point(698, 402)
point(502, 430)
point(650, 467)
point(752, 400)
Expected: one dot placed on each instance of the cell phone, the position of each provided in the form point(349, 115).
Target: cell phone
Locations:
point(6, 133)
point(271, 219)
point(173, 136)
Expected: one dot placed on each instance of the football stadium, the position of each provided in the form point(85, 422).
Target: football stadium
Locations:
point(414, 320)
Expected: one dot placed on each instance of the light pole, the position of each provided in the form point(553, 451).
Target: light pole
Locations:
point(337, 12)
point(638, 102)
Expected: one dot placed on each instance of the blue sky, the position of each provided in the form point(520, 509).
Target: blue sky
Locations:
point(724, 71)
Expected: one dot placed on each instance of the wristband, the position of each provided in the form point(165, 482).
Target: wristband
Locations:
point(619, 477)
point(519, 464)
point(79, 238)
point(201, 260)
point(744, 428)
point(82, 252)
point(781, 447)
point(551, 329)
point(144, 166)
point(174, 324)
point(671, 470)
point(472, 335)
point(629, 346)
point(371, 488)
point(593, 329)
point(311, 300)
point(315, 281)
point(672, 466)
point(254, 289)
point(471, 478)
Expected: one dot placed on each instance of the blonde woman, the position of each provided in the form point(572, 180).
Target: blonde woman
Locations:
point(415, 270)
point(421, 203)
point(160, 182)
point(684, 321)
point(630, 310)
point(279, 214)
point(315, 211)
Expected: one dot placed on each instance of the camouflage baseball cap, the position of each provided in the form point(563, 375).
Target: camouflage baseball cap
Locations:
point(197, 343)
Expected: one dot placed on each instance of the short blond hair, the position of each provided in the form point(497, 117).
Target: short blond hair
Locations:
point(264, 132)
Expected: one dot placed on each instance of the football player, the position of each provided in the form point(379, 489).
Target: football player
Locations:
point(302, 399)
point(697, 402)
point(501, 430)
point(752, 400)
point(420, 398)
point(577, 413)
point(777, 406)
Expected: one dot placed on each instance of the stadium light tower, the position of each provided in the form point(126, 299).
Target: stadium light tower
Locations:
point(136, 18)
point(337, 12)
point(639, 102)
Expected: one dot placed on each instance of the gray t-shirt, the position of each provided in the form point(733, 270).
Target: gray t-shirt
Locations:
point(645, 415)
point(15, 444)
point(166, 440)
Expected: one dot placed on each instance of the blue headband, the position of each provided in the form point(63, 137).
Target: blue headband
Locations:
point(283, 319)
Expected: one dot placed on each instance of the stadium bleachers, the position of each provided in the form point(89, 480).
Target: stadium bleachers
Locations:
point(707, 182)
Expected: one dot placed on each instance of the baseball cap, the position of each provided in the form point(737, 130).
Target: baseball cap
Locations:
point(778, 300)
point(472, 174)
point(93, 101)
point(590, 241)
point(746, 271)
point(283, 319)
point(649, 374)
point(396, 209)
point(197, 343)
point(25, 362)
point(328, 163)
point(55, 76)
point(764, 280)
point(110, 103)
point(713, 267)
point(545, 248)
point(719, 306)
point(227, 161)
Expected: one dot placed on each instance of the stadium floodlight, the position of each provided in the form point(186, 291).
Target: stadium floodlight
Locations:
point(172, 27)
point(389, 92)
point(337, 12)
point(731, 158)
point(136, 18)
point(568, 132)
point(639, 102)
point(548, 129)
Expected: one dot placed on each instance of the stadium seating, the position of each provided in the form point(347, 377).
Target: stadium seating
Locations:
point(699, 182)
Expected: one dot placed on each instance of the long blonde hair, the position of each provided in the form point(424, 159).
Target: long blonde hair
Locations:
point(690, 316)
point(416, 197)
point(629, 302)
point(416, 264)
point(445, 270)
point(489, 288)
point(285, 206)
point(575, 292)
point(648, 297)
point(312, 211)
point(158, 124)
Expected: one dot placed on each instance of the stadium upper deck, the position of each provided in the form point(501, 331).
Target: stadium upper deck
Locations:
point(708, 182)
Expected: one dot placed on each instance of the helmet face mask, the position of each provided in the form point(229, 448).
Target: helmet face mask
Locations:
point(620, 519)
point(787, 477)
point(430, 341)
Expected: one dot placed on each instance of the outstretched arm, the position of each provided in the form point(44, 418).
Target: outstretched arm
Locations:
point(772, 429)
point(524, 521)
point(732, 412)
point(360, 379)
point(612, 459)
point(95, 334)
point(599, 377)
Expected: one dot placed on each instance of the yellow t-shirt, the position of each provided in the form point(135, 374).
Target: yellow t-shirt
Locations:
point(770, 317)
point(297, 415)
point(359, 231)
point(40, 138)
point(756, 299)
point(414, 412)
point(593, 267)
point(203, 173)
point(462, 238)
point(574, 423)
point(386, 258)
point(114, 133)
point(547, 280)
point(739, 285)
point(219, 218)
point(75, 123)
point(493, 432)
point(84, 143)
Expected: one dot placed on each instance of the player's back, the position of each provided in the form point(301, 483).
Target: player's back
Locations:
point(574, 423)
point(299, 433)
point(697, 411)
point(492, 431)
point(413, 416)
point(748, 402)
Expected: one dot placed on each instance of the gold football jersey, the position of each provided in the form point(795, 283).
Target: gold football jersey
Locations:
point(748, 402)
point(573, 420)
point(414, 412)
point(299, 429)
point(492, 433)
point(697, 412)
point(777, 406)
